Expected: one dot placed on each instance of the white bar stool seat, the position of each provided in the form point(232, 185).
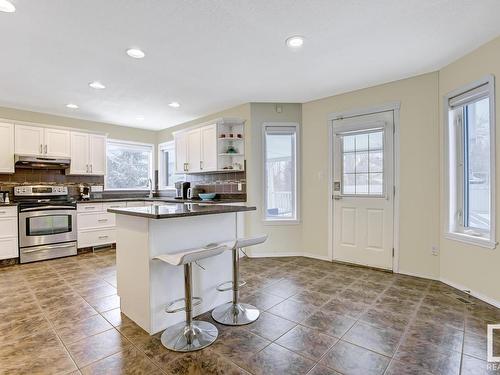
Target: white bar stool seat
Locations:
point(235, 313)
point(190, 335)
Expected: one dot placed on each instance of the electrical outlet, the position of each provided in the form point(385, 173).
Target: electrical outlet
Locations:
point(240, 187)
point(435, 250)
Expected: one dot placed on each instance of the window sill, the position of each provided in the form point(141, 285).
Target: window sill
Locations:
point(281, 222)
point(472, 240)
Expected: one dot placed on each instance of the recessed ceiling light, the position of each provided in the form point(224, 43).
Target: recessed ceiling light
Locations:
point(174, 105)
point(7, 6)
point(135, 53)
point(72, 106)
point(295, 41)
point(97, 85)
point(139, 118)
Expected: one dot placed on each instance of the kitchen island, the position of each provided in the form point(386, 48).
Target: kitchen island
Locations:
point(146, 286)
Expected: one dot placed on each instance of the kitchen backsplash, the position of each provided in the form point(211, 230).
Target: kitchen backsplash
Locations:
point(222, 183)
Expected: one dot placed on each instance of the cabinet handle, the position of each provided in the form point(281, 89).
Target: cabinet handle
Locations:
point(41, 149)
point(3, 212)
point(89, 207)
point(102, 237)
point(201, 164)
point(87, 168)
point(102, 220)
point(90, 168)
point(45, 148)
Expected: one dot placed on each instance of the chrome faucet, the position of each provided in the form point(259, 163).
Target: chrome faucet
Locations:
point(150, 188)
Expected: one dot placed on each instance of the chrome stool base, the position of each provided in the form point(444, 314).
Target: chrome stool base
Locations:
point(235, 314)
point(188, 338)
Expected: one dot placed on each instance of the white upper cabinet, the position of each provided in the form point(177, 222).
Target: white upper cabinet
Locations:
point(79, 153)
point(29, 140)
point(6, 148)
point(40, 141)
point(194, 150)
point(181, 153)
point(208, 148)
point(219, 146)
point(97, 154)
point(88, 154)
point(57, 143)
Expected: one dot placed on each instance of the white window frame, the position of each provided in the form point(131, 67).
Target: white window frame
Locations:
point(170, 145)
point(452, 186)
point(133, 144)
point(294, 220)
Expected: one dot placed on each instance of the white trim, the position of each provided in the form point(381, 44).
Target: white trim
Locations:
point(473, 293)
point(490, 242)
point(298, 174)
point(270, 254)
point(395, 108)
point(216, 121)
point(414, 274)
point(161, 147)
point(42, 125)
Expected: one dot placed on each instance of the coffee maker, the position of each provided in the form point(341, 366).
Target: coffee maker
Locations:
point(181, 189)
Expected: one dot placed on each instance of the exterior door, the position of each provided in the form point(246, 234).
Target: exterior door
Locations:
point(363, 190)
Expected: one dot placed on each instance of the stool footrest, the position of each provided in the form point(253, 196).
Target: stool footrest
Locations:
point(169, 309)
point(222, 288)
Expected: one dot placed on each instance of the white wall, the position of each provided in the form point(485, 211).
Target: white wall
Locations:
point(419, 168)
point(467, 266)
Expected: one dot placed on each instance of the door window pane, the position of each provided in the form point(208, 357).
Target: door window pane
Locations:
point(280, 173)
point(363, 163)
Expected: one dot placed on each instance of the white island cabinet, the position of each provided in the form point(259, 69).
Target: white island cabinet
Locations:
point(145, 285)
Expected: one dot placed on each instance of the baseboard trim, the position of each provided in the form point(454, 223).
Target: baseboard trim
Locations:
point(473, 293)
point(414, 274)
point(269, 254)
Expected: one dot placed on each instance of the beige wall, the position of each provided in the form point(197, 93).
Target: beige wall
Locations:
point(114, 131)
point(419, 168)
point(468, 266)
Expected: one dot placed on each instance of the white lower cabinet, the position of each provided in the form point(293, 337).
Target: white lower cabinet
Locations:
point(8, 233)
point(96, 226)
point(96, 237)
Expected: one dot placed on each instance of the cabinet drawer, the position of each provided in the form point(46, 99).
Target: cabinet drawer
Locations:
point(97, 220)
point(8, 248)
point(8, 227)
point(105, 206)
point(89, 207)
point(96, 237)
point(8, 211)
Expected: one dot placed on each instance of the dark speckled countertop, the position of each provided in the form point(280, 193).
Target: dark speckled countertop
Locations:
point(171, 210)
point(162, 199)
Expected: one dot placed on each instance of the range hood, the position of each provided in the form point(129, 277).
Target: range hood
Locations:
point(40, 162)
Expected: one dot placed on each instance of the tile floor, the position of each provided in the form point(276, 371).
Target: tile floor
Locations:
point(63, 317)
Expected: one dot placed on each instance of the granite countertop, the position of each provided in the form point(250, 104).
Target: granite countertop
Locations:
point(162, 199)
point(172, 210)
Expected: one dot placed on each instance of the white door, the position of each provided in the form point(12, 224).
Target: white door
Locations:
point(57, 143)
point(79, 153)
point(194, 150)
point(209, 148)
point(180, 152)
point(6, 148)
point(97, 152)
point(28, 140)
point(363, 190)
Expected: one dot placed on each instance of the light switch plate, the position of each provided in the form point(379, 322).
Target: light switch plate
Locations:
point(96, 189)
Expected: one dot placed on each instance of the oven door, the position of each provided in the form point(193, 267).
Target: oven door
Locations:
point(46, 225)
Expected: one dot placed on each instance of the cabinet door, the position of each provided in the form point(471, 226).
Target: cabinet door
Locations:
point(79, 153)
point(194, 150)
point(6, 148)
point(57, 143)
point(28, 140)
point(180, 152)
point(209, 148)
point(97, 155)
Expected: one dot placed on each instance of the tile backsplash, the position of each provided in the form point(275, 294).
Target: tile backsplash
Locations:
point(221, 183)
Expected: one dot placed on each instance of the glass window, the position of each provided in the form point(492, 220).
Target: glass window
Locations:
point(129, 166)
point(166, 166)
point(280, 172)
point(363, 163)
point(469, 168)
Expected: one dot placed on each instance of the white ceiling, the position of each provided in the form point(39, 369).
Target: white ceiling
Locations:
point(211, 55)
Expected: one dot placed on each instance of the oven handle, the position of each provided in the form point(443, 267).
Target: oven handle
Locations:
point(43, 208)
point(47, 247)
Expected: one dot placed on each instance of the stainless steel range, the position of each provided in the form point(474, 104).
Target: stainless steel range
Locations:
point(47, 222)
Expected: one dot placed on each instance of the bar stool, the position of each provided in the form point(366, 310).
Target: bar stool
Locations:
point(190, 335)
point(235, 313)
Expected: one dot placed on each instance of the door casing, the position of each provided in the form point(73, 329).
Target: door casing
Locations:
point(392, 106)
